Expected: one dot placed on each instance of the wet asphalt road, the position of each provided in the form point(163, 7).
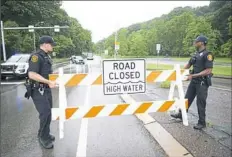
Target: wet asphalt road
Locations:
point(216, 139)
point(114, 136)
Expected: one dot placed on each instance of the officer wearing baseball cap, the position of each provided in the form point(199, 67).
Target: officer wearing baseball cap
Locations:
point(200, 79)
point(40, 66)
point(202, 39)
point(47, 39)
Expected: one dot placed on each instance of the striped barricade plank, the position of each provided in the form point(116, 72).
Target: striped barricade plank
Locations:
point(96, 78)
point(114, 109)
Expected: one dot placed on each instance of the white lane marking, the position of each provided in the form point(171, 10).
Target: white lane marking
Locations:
point(82, 143)
point(11, 83)
point(169, 144)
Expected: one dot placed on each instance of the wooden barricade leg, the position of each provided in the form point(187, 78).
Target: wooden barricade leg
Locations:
point(181, 95)
point(62, 103)
point(171, 95)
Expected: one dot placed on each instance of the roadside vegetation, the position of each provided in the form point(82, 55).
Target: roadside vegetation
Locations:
point(71, 41)
point(175, 32)
point(217, 70)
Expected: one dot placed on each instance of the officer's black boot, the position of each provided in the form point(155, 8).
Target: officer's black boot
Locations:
point(52, 138)
point(199, 126)
point(177, 115)
point(47, 144)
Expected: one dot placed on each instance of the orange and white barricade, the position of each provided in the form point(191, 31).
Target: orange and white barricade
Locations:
point(63, 113)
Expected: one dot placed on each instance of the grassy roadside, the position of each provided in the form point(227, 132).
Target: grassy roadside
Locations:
point(217, 60)
point(183, 59)
point(217, 70)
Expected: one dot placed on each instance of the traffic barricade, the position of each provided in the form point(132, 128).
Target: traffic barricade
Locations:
point(130, 79)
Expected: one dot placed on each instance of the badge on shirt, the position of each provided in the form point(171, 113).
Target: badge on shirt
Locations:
point(210, 57)
point(201, 53)
point(34, 58)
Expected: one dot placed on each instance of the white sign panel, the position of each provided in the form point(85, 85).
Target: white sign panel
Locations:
point(31, 28)
point(116, 47)
point(158, 47)
point(124, 76)
point(106, 52)
point(56, 28)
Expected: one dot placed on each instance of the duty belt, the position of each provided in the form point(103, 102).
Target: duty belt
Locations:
point(39, 85)
point(199, 79)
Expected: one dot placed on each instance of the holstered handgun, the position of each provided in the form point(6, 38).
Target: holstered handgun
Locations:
point(28, 86)
point(209, 80)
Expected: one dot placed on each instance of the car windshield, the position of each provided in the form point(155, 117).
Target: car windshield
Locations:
point(14, 59)
point(23, 59)
point(20, 59)
point(79, 57)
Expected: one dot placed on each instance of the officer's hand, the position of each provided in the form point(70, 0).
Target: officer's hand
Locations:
point(189, 77)
point(52, 84)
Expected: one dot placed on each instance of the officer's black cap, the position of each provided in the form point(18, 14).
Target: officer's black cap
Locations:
point(47, 40)
point(201, 38)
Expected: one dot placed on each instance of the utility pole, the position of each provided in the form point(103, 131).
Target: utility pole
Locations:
point(115, 40)
point(116, 44)
point(3, 42)
point(158, 46)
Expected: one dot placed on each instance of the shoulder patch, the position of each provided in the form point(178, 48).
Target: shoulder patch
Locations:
point(210, 57)
point(34, 58)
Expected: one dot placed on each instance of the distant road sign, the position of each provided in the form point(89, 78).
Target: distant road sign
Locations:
point(56, 28)
point(158, 47)
point(106, 52)
point(124, 76)
point(117, 45)
point(31, 28)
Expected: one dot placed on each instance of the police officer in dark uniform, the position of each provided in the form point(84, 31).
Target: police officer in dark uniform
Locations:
point(40, 66)
point(200, 77)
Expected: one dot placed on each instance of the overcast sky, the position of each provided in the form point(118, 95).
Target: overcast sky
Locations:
point(102, 18)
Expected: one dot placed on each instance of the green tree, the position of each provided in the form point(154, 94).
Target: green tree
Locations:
point(27, 44)
point(12, 37)
point(122, 38)
point(25, 13)
point(226, 49)
point(64, 46)
point(200, 27)
point(137, 45)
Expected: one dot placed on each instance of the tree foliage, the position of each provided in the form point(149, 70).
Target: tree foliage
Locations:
point(176, 31)
point(73, 40)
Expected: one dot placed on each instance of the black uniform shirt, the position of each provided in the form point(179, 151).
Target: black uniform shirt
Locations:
point(203, 60)
point(41, 63)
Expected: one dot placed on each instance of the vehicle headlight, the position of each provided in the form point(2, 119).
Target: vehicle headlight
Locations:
point(21, 66)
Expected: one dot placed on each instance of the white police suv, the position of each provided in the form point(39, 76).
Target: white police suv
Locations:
point(16, 66)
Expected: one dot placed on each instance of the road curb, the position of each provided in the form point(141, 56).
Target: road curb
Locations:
point(169, 144)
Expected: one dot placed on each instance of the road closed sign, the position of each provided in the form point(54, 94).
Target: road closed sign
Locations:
point(124, 76)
